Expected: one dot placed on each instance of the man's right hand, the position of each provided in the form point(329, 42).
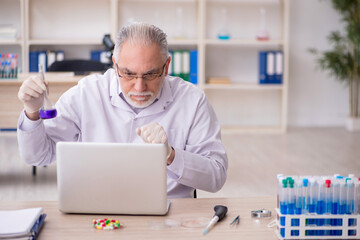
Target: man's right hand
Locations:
point(31, 93)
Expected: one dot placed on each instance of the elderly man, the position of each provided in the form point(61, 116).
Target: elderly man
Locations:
point(134, 102)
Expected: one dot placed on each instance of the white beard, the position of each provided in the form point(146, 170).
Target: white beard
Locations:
point(142, 104)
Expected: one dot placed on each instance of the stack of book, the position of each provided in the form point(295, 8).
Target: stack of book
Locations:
point(219, 80)
point(21, 224)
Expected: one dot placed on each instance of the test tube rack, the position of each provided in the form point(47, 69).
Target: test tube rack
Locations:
point(348, 226)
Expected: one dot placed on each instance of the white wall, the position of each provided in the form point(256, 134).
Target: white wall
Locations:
point(315, 99)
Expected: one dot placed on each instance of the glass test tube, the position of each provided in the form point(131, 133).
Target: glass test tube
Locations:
point(48, 110)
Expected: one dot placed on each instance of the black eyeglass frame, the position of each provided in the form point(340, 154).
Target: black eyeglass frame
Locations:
point(146, 77)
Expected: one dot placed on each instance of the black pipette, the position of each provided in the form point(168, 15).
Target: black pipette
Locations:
point(220, 212)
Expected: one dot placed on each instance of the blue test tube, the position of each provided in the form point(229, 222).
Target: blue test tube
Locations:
point(305, 194)
point(320, 206)
point(279, 178)
point(283, 197)
point(328, 205)
point(1, 64)
point(335, 199)
point(283, 205)
point(328, 196)
point(357, 196)
point(298, 201)
point(350, 196)
point(312, 199)
point(312, 196)
point(291, 197)
point(350, 203)
point(342, 200)
point(299, 197)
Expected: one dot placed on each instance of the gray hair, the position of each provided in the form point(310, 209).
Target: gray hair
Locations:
point(142, 33)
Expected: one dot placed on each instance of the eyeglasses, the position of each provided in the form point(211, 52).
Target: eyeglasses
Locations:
point(145, 77)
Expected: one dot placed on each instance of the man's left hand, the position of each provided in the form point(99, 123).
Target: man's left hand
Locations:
point(155, 133)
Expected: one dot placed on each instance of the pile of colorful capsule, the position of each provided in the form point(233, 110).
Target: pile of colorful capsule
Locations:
point(106, 224)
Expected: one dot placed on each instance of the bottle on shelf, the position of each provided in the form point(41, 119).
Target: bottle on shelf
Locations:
point(224, 33)
point(262, 34)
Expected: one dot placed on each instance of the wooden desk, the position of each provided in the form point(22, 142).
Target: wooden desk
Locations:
point(73, 226)
point(11, 106)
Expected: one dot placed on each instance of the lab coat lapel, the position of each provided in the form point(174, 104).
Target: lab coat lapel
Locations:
point(115, 98)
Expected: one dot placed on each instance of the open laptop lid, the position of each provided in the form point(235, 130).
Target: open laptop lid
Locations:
point(112, 178)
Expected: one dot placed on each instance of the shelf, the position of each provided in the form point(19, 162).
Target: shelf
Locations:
point(65, 42)
point(10, 42)
point(54, 78)
point(244, 42)
point(245, 86)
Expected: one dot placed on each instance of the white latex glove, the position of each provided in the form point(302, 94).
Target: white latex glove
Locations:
point(154, 133)
point(31, 93)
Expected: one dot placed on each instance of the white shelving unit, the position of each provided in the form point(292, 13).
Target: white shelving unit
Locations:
point(78, 26)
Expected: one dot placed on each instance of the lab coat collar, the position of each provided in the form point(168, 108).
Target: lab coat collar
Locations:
point(165, 98)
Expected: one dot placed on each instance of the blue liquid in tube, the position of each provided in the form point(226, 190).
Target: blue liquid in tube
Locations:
point(48, 110)
point(47, 113)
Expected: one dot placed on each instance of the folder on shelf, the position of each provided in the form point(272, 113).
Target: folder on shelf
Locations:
point(262, 67)
point(51, 58)
point(100, 56)
point(270, 67)
point(60, 56)
point(278, 67)
point(34, 61)
point(185, 66)
point(193, 67)
point(43, 59)
point(177, 63)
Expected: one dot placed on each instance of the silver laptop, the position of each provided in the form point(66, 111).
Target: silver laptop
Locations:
point(112, 178)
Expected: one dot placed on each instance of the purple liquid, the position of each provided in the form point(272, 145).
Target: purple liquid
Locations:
point(47, 113)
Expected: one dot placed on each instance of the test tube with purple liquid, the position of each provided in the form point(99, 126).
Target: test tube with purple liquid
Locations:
point(48, 110)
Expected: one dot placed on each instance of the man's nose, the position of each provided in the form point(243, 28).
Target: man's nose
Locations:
point(140, 84)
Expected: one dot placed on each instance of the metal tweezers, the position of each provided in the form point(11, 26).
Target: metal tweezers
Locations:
point(236, 221)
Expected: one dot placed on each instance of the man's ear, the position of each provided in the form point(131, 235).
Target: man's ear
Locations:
point(168, 62)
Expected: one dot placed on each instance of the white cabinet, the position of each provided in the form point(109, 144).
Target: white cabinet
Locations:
point(78, 26)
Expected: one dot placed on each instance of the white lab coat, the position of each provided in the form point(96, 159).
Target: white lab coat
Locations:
point(93, 111)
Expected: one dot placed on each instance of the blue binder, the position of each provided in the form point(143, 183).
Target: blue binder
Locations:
point(262, 67)
point(95, 55)
point(194, 66)
point(276, 68)
point(33, 61)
